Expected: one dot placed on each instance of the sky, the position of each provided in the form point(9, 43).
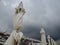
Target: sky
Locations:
point(38, 12)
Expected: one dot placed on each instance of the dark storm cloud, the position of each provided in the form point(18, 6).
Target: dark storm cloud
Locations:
point(46, 12)
point(38, 12)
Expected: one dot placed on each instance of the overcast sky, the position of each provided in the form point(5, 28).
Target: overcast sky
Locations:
point(45, 12)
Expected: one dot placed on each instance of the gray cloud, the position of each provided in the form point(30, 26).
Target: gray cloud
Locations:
point(38, 12)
